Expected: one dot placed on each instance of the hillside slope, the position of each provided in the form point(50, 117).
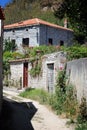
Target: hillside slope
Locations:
point(18, 10)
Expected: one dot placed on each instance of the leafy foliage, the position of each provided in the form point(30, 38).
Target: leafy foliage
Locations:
point(75, 52)
point(64, 100)
point(8, 55)
point(36, 61)
point(82, 115)
point(36, 69)
point(76, 12)
point(9, 46)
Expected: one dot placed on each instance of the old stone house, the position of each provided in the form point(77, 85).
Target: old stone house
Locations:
point(36, 32)
point(20, 72)
point(1, 41)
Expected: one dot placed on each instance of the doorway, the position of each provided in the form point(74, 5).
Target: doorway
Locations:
point(25, 74)
point(50, 77)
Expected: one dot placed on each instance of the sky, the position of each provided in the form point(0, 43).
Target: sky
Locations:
point(4, 2)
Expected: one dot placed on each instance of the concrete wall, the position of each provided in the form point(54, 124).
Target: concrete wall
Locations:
point(77, 74)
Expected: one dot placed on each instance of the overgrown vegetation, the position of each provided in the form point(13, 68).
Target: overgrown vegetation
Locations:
point(35, 54)
point(36, 94)
point(27, 9)
point(75, 11)
point(63, 101)
point(82, 115)
point(9, 46)
point(75, 51)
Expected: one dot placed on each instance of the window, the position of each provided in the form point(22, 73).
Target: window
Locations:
point(26, 29)
point(50, 41)
point(61, 43)
point(13, 41)
point(13, 31)
point(25, 42)
point(13, 45)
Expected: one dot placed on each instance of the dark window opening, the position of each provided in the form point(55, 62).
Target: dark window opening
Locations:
point(13, 44)
point(61, 43)
point(25, 42)
point(26, 29)
point(13, 41)
point(50, 41)
point(13, 32)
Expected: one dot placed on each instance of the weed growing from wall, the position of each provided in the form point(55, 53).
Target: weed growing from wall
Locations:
point(36, 67)
point(64, 100)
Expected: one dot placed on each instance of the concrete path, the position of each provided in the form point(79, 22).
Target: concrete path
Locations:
point(42, 118)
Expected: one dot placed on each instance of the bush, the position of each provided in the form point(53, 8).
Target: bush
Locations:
point(75, 52)
point(82, 126)
point(82, 116)
point(65, 100)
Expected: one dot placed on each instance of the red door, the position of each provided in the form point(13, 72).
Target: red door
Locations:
point(25, 75)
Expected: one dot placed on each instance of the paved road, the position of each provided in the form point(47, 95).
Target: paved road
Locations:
point(30, 115)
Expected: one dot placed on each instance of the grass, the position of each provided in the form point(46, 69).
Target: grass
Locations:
point(35, 94)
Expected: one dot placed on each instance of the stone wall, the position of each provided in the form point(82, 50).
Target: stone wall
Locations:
point(16, 77)
point(77, 74)
point(58, 59)
point(39, 35)
point(56, 35)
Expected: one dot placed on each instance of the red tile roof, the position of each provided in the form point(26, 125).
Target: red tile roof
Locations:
point(1, 13)
point(34, 21)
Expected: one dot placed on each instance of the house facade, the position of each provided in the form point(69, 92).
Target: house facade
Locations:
point(36, 32)
point(1, 48)
point(51, 63)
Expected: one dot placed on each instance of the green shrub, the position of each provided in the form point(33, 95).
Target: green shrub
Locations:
point(82, 126)
point(75, 52)
point(82, 116)
point(65, 100)
point(36, 70)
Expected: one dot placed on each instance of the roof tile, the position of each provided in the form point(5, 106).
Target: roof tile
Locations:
point(34, 21)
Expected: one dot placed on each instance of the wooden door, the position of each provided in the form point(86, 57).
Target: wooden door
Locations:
point(50, 77)
point(25, 75)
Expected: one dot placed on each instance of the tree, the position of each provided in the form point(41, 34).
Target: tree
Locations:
point(76, 12)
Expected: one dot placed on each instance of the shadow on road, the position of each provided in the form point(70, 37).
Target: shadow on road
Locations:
point(17, 116)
